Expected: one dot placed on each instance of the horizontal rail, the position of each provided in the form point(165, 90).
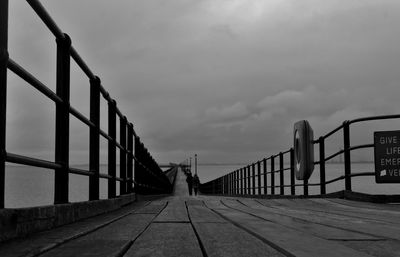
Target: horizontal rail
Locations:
point(25, 160)
point(81, 172)
point(333, 155)
point(380, 117)
point(105, 135)
point(105, 94)
point(30, 79)
point(150, 174)
point(352, 175)
point(120, 115)
point(333, 132)
point(81, 117)
point(46, 18)
point(81, 63)
point(361, 146)
point(244, 180)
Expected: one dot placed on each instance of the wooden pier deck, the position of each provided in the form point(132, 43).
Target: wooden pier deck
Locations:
point(179, 225)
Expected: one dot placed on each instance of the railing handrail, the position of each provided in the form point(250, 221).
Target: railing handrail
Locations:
point(244, 182)
point(145, 177)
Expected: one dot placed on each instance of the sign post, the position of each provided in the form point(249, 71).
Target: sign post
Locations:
point(387, 156)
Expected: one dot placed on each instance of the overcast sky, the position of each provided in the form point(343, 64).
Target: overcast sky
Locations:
point(225, 79)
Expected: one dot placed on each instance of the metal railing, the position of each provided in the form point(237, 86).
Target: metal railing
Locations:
point(253, 179)
point(139, 172)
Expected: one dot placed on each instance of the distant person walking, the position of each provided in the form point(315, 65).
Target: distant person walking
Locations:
point(196, 183)
point(189, 180)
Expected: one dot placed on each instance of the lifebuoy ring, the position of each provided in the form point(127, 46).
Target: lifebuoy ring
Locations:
point(303, 150)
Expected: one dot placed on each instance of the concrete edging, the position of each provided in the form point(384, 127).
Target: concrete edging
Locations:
point(21, 222)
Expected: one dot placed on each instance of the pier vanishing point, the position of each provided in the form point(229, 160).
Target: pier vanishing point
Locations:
point(262, 209)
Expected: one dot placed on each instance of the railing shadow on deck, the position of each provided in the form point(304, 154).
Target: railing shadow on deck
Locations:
point(139, 172)
point(243, 182)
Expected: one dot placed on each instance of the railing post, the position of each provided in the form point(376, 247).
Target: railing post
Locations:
point(61, 176)
point(111, 147)
point(130, 158)
point(228, 183)
point(231, 183)
point(322, 164)
point(94, 139)
point(292, 178)
point(234, 182)
point(347, 160)
point(259, 176)
point(272, 175)
point(122, 156)
point(253, 173)
point(244, 181)
point(213, 187)
point(241, 180)
point(305, 187)
point(281, 177)
point(228, 179)
point(238, 182)
point(248, 180)
point(3, 94)
point(265, 176)
point(137, 166)
point(223, 184)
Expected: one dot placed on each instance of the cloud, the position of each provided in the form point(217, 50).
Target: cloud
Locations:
point(233, 112)
point(311, 101)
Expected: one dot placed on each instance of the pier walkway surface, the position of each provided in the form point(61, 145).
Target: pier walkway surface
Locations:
point(180, 225)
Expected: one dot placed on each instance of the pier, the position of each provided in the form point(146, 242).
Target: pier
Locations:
point(180, 225)
point(264, 208)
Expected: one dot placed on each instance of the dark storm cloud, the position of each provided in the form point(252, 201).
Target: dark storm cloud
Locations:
point(225, 79)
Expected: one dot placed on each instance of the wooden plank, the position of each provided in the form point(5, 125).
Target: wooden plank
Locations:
point(166, 239)
point(325, 206)
point(388, 248)
point(153, 208)
point(373, 247)
point(223, 238)
point(214, 204)
point(375, 228)
point(198, 212)
point(180, 187)
point(332, 207)
point(107, 241)
point(366, 205)
point(315, 229)
point(295, 242)
point(174, 212)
